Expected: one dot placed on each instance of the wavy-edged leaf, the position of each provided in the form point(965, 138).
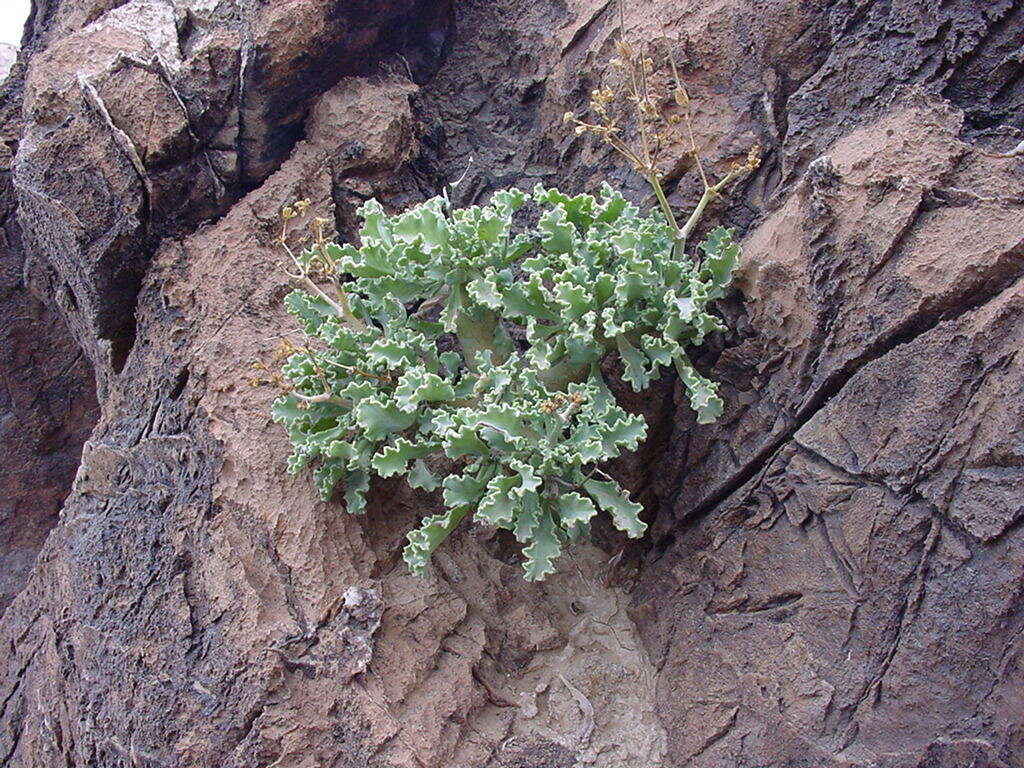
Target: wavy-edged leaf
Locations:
point(391, 352)
point(287, 408)
point(528, 518)
point(421, 477)
point(546, 546)
point(484, 290)
point(703, 393)
point(499, 504)
point(574, 299)
point(463, 441)
point(624, 512)
point(508, 201)
point(428, 537)
point(357, 483)
point(722, 256)
point(462, 490)
point(394, 459)
point(575, 510)
point(418, 386)
point(379, 420)
point(627, 431)
point(635, 363)
point(529, 298)
point(326, 477)
point(557, 234)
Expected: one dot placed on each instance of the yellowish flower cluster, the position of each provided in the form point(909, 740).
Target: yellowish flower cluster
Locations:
point(642, 126)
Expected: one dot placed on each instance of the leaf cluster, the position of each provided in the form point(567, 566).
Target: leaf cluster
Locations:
point(462, 349)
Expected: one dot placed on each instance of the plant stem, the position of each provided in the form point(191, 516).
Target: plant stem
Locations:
point(347, 309)
point(679, 235)
point(709, 194)
point(666, 209)
point(326, 397)
point(688, 227)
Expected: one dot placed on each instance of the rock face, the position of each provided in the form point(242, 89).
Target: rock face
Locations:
point(47, 398)
point(834, 575)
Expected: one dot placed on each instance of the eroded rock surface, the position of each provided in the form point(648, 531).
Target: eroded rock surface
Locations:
point(874, 553)
point(834, 572)
point(47, 395)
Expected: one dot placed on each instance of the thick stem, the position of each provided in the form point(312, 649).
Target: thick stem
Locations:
point(679, 235)
point(346, 309)
point(688, 227)
point(663, 202)
point(325, 397)
point(709, 194)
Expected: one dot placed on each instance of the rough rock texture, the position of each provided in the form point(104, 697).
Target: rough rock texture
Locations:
point(47, 395)
point(875, 551)
point(47, 410)
point(834, 572)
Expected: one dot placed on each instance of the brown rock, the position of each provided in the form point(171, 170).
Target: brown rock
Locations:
point(47, 395)
point(47, 410)
point(377, 112)
point(870, 547)
point(833, 576)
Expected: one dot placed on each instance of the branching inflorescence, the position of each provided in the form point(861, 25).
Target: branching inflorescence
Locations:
point(461, 348)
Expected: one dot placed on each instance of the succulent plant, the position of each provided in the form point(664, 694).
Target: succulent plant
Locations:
point(461, 349)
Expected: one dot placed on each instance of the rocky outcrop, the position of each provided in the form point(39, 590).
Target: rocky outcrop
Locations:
point(47, 410)
point(833, 575)
point(872, 545)
point(47, 397)
point(152, 117)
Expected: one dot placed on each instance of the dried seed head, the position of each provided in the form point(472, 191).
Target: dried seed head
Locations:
point(624, 49)
point(567, 118)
